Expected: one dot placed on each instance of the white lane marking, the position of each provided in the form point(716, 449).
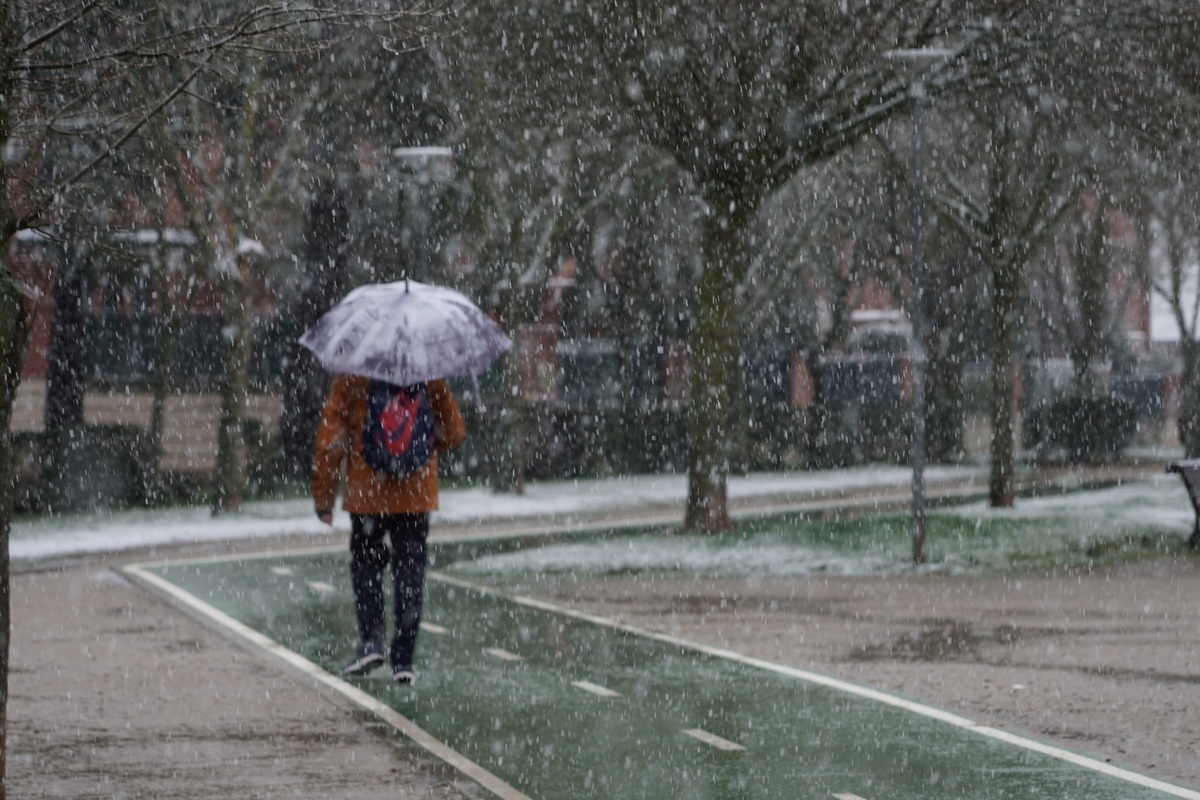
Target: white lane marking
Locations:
point(430, 627)
point(501, 654)
point(847, 796)
point(284, 571)
point(839, 685)
point(360, 698)
point(321, 587)
point(595, 688)
point(812, 677)
point(713, 740)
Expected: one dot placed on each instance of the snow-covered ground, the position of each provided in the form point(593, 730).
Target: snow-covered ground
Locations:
point(111, 531)
point(1161, 501)
point(1063, 524)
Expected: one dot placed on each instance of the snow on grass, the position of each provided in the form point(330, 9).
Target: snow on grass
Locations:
point(648, 491)
point(1070, 529)
point(114, 531)
point(1035, 526)
point(692, 554)
point(1160, 502)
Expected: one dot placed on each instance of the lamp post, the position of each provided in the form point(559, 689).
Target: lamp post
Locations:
point(934, 58)
point(429, 165)
point(916, 314)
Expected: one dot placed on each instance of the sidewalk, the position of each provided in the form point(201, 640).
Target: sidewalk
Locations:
point(115, 694)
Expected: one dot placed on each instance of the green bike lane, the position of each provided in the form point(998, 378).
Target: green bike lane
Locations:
point(557, 704)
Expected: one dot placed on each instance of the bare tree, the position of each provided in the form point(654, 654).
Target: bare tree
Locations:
point(323, 282)
point(517, 210)
point(530, 181)
point(743, 99)
point(743, 102)
point(810, 275)
point(1085, 280)
point(233, 151)
point(1171, 225)
point(66, 70)
point(1020, 191)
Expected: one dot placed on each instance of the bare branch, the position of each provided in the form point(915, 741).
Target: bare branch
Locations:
point(28, 218)
point(33, 43)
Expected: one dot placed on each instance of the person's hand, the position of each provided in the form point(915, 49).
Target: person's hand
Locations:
point(325, 516)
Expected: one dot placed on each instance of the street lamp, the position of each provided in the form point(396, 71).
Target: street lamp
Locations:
point(934, 58)
point(428, 165)
point(916, 93)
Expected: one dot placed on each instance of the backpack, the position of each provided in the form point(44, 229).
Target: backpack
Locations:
point(398, 435)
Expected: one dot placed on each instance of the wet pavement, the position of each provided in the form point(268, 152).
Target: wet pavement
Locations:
point(555, 704)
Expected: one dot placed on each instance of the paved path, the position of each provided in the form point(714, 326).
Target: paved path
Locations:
point(546, 703)
point(115, 693)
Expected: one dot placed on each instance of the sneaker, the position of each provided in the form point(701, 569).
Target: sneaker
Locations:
point(367, 656)
point(404, 675)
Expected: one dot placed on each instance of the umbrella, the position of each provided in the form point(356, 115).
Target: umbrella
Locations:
point(404, 333)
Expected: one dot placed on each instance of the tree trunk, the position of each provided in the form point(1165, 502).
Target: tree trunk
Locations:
point(712, 349)
point(946, 315)
point(231, 461)
point(818, 434)
point(740, 446)
point(65, 377)
point(1189, 404)
point(68, 344)
point(508, 445)
point(170, 324)
point(16, 316)
point(508, 459)
point(304, 382)
point(1005, 288)
point(944, 416)
point(173, 305)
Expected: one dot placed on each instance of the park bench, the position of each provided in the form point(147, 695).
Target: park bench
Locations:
point(1189, 470)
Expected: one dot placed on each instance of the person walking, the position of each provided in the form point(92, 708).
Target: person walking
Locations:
point(381, 506)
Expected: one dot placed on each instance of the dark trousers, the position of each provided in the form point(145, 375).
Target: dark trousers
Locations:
point(369, 554)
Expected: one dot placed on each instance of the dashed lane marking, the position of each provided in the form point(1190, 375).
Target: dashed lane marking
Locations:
point(713, 740)
point(321, 586)
point(502, 654)
point(501, 788)
point(595, 688)
point(430, 627)
point(284, 571)
point(847, 796)
point(929, 712)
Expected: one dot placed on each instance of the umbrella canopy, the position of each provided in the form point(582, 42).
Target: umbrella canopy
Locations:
point(406, 332)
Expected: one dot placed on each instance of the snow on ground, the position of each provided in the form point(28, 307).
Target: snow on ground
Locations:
point(631, 493)
point(692, 554)
point(1160, 502)
point(1062, 523)
point(113, 531)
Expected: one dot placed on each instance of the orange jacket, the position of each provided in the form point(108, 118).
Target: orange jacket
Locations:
point(367, 491)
